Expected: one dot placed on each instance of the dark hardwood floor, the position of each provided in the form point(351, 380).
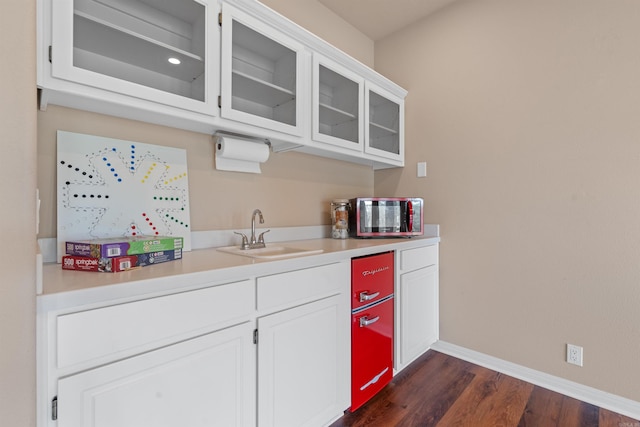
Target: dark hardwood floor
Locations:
point(440, 390)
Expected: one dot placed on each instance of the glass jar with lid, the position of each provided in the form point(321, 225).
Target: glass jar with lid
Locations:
point(340, 218)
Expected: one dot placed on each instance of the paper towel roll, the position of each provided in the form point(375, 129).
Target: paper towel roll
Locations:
point(238, 155)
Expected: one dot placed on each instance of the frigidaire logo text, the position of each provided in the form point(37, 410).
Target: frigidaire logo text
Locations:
point(377, 270)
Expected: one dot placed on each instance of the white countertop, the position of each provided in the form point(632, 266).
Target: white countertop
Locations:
point(200, 268)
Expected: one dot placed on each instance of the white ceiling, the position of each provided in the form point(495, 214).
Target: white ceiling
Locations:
point(379, 18)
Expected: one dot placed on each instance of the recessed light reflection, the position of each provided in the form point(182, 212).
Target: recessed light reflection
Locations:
point(174, 61)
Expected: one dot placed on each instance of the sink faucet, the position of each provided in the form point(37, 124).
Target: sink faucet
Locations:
point(253, 243)
point(253, 226)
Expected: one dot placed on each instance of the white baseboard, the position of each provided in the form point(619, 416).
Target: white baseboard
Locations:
point(612, 402)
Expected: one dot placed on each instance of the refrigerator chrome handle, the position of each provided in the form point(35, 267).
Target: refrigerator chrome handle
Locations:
point(365, 321)
point(375, 379)
point(364, 296)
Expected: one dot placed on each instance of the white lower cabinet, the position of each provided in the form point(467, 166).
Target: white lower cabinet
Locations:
point(417, 326)
point(183, 359)
point(191, 359)
point(419, 312)
point(205, 381)
point(271, 350)
point(301, 365)
point(304, 351)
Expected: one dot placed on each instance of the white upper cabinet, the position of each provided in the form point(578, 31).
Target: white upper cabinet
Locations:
point(337, 106)
point(161, 51)
point(261, 70)
point(384, 132)
point(359, 118)
point(218, 65)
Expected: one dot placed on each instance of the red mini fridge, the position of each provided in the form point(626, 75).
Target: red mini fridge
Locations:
point(372, 282)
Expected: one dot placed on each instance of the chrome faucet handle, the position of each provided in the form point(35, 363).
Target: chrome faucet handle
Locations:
point(261, 237)
point(245, 241)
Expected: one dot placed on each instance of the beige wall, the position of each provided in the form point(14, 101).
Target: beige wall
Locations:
point(293, 190)
point(527, 114)
point(17, 211)
point(321, 21)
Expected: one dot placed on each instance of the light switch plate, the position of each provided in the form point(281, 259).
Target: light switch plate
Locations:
point(422, 169)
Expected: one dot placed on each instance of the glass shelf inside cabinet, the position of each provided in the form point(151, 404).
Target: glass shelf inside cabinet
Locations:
point(155, 43)
point(384, 124)
point(338, 102)
point(264, 76)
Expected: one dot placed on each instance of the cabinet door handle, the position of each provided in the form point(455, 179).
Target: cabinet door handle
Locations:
point(365, 321)
point(364, 296)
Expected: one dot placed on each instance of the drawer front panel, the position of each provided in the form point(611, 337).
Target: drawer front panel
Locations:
point(412, 259)
point(300, 286)
point(108, 333)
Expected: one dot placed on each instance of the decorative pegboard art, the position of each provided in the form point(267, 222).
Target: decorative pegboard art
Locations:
point(114, 188)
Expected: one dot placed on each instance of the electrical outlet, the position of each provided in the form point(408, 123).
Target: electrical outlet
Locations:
point(574, 354)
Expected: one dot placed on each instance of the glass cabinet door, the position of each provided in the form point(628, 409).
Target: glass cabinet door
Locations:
point(260, 74)
point(338, 96)
point(152, 49)
point(385, 125)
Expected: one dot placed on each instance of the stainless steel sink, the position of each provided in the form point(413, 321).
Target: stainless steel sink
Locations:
point(270, 252)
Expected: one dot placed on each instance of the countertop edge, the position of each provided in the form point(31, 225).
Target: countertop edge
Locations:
point(66, 290)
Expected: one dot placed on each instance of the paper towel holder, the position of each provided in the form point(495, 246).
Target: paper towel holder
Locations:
point(222, 134)
point(240, 153)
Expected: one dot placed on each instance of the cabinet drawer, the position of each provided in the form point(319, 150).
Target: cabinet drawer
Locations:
point(120, 330)
point(412, 259)
point(300, 286)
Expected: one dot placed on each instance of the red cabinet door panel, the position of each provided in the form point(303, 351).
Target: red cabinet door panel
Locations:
point(372, 351)
point(371, 279)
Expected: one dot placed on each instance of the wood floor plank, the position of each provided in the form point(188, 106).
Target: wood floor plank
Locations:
point(491, 399)
point(440, 390)
point(612, 419)
point(444, 389)
point(575, 413)
point(543, 408)
point(427, 387)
